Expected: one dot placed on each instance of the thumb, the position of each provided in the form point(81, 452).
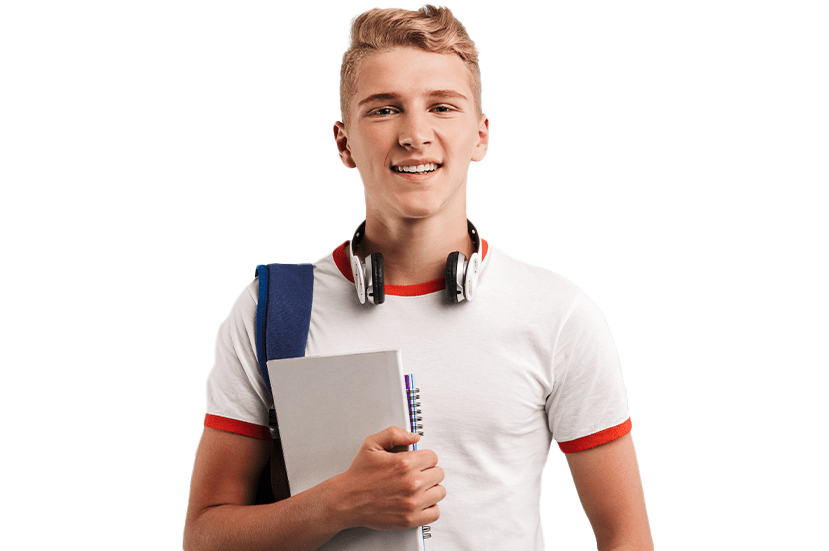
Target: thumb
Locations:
point(391, 437)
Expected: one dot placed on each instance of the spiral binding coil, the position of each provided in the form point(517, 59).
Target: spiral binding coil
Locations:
point(415, 412)
point(416, 426)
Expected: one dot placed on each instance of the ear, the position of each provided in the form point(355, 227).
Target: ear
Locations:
point(483, 139)
point(342, 145)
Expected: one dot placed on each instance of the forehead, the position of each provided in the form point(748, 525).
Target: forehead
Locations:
point(409, 72)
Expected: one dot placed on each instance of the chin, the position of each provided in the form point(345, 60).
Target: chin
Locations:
point(418, 205)
point(421, 210)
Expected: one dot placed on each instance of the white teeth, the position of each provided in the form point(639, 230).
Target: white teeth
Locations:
point(428, 167)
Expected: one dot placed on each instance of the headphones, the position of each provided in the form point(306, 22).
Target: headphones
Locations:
point(461, 275)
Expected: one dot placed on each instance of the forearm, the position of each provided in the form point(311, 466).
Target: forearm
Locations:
point(303, 522)
point(380, 490)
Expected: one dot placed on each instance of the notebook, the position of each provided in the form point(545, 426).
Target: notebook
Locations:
point(325, 407)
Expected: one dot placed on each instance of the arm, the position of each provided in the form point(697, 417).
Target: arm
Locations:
point(224, 484)
point(380, 490)
point(607, 480)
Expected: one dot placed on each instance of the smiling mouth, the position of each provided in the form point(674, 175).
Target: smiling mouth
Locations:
point(418, 169)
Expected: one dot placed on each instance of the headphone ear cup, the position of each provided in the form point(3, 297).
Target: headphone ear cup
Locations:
point(377, 278)
point(359, 278)
point(453, 293)
point(470, 276)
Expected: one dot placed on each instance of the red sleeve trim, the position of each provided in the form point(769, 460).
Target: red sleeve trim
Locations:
point(237, 427)
point(597, 439)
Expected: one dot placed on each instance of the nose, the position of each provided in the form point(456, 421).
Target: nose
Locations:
point(415, 131)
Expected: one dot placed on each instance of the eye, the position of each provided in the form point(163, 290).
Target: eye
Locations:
point(383, 111)
point(443, 109)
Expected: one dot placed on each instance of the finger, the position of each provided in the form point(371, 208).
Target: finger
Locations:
point(432, 476)
point(423, 459)
point(391, 437)
point(433, 495)
point(430, 514)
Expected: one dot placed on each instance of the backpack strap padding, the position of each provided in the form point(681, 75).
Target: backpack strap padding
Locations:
point(283, 314)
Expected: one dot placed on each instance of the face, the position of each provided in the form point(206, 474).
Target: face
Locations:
point(412, 133)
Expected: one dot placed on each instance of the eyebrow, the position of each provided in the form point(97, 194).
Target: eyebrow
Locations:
point(388, 96)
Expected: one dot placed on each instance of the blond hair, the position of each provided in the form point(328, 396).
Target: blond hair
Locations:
point(431, 29)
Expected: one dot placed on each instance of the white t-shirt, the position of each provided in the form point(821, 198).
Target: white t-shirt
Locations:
point(529, 359)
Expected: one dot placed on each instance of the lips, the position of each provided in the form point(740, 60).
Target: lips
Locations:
point(416, 165)
point(421, 176)
point(421, 168)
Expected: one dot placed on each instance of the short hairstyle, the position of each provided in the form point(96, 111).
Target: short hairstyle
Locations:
point(431, 29)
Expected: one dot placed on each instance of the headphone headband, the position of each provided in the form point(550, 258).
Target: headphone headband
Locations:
point(461, 275)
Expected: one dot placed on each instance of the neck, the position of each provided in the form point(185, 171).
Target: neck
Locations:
point(415, 250)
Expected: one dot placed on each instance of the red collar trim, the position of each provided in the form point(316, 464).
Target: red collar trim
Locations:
point(344, 265)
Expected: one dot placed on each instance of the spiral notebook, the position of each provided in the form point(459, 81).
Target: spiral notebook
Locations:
point(325, 407)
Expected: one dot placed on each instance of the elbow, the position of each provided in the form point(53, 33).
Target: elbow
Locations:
point(194, 537)
point(189, 543)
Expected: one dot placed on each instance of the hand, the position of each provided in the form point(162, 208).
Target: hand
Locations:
point(386, 490)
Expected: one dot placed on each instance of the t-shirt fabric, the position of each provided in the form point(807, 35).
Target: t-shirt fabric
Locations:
point(529, 360)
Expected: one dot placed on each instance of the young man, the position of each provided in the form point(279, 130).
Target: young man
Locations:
point(529, 359)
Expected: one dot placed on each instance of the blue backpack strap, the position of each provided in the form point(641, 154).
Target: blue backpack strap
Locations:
point(283, 314)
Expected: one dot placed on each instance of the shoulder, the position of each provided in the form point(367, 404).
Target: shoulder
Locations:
point(546, 302)
point(243, 313)
point(530, 285)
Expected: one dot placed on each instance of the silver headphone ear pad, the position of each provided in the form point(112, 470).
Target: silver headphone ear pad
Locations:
point(377, 277)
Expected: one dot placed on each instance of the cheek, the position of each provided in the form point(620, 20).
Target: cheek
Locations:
point(369, 151)
point(464, 146)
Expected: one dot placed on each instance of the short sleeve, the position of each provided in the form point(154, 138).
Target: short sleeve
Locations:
point(588, 404)
point(237, 399)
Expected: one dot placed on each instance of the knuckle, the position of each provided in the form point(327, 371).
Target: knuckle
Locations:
point(410, 505)
point(412, 484)
point(403, 463)
point(409, 521)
